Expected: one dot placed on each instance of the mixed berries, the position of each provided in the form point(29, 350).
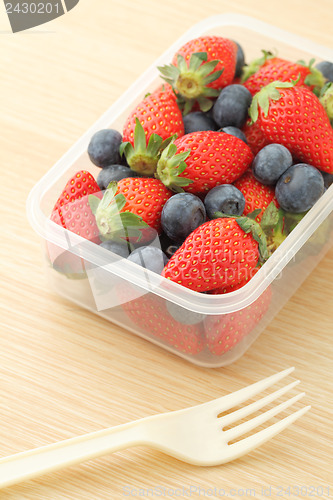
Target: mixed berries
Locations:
point(219, 162)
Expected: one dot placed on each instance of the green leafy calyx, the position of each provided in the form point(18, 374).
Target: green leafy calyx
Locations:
point(326, 99)
point(111, 222)
point(143, 157)
point(170, 166)
point(261, 100)
point(255, 65)
point(273, 229)
point(315, 78)
point(250, 225)
point(190, 81)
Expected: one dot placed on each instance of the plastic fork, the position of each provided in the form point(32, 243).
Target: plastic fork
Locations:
point(195, 435)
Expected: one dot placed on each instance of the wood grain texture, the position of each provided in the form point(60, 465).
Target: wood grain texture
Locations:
point(63, 371)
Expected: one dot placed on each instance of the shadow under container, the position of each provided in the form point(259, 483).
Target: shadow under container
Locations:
point(207, 330)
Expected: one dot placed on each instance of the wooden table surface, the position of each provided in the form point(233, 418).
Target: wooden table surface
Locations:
point(65, 372)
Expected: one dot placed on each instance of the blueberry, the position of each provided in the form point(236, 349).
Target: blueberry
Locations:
point(171, 250)
point(231, 106)
point(299, 188)
point(326, 67)
point(328, 179)
point(183, 315)
point(149, 257)
point(198, 121)
point(237, 132)
point(240, 60)
point(168, 246)
point(121, 249)
point(103, 149)
point(225, 198)
point(113, 173)
point(270, 163)
point(181, 214)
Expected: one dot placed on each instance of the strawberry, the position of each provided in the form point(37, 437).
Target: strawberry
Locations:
point(256, 194)
point(167, 89)
point(218, 253)
point(270, 68)
point(294, 117)
point(200, 69)
point(204, 160)
point(72, 210)
point(256, 140)
point(160, 119)
point(149, 312)
point(237, 286)
point(224, 331)
point(131, 209)
point(158, 113)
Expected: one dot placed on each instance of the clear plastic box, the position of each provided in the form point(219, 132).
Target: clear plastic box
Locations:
point(141, 301)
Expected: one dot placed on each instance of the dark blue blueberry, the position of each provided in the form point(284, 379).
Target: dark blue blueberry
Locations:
point(328, 179)
point(326, 67)
point(237, 132)
point(168, 246)
point(149, 257)
point(299, 188)
point(225, 198)
point(122, 249)
point(171, 250)
point(198, 121)
point(183, 315)
point(113, 173)
point(240, 60)
point(181, 214)
point(103, 149)
point(231, 106)
point(270, 163)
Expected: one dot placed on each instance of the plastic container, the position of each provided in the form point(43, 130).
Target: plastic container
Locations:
point(208, 330)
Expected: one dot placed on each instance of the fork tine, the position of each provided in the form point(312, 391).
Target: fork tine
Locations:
point(241, 429)
point(257, 405)
point(235, 398)
point(255, 440)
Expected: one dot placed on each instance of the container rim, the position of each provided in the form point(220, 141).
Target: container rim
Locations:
point(189, 299)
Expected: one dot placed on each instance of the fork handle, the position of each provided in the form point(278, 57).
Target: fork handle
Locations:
point(33, 463)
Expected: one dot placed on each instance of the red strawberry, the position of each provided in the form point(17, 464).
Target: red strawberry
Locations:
point(231, 288)
point(294, 117)
point(159, 114)
point(149, 312)
point(224, 331)
point(72, 209)
point(280, 69)
point(167, 89)
point(218, 253)
point(256, 140)
point(200, 69)
point(149, 128)
point(256, 194)
point(131, 209)
point(199, 161)
point(146, 198)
